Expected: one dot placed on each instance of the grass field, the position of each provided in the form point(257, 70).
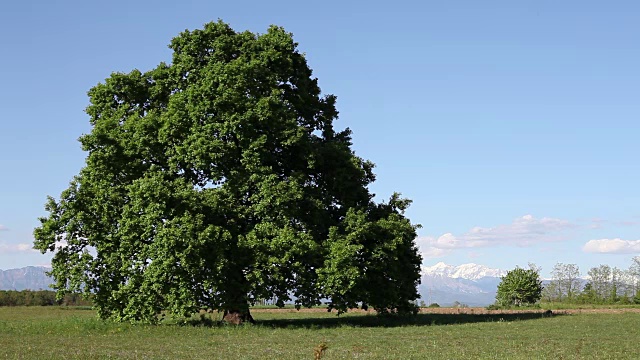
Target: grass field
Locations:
point(65, 333)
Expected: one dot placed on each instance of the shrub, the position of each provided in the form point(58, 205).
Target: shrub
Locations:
point(520, 287)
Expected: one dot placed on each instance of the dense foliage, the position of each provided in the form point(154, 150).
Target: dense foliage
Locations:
point(519, 287)
point(39, 298)
point(219, 180)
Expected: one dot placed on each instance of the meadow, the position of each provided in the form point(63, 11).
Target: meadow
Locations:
point(68, 333)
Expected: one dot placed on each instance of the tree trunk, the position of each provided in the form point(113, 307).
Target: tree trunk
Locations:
point(236, 305)
point(237, 316)
point(235, 300)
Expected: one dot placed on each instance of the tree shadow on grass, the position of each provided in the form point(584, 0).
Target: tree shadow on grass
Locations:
point(397, 321)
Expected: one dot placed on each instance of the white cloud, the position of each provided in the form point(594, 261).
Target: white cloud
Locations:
point(523, 231)
point(3, 228)
point(612, 246)
point(430, 252)
point(16, 248)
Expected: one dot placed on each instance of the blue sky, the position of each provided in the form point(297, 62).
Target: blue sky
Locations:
point(513, 125)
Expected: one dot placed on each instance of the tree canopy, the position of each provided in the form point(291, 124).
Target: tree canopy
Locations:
point(520, 287)
point(217, 180)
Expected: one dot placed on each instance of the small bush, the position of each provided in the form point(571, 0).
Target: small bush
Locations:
point(520, 287)
point(458, 304)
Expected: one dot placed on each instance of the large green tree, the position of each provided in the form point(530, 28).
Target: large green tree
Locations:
point(218, 180)
point(520, 287)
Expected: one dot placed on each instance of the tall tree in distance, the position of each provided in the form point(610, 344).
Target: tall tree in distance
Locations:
point(634, 273)
point(218, 180)
point(566, 280)
point(601, 281)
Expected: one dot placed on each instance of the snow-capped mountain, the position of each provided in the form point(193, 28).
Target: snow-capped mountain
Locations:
point(466, 271)
point(471, 284)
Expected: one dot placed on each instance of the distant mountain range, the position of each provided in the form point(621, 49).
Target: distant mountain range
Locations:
point(471, 284)
point(27, 278)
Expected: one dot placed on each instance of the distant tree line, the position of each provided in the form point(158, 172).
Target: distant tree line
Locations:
point(40, 298)
point(602, 285)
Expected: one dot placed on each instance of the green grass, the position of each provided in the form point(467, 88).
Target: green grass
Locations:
point(565, 306)
point(562, 305)
point(58, 333)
